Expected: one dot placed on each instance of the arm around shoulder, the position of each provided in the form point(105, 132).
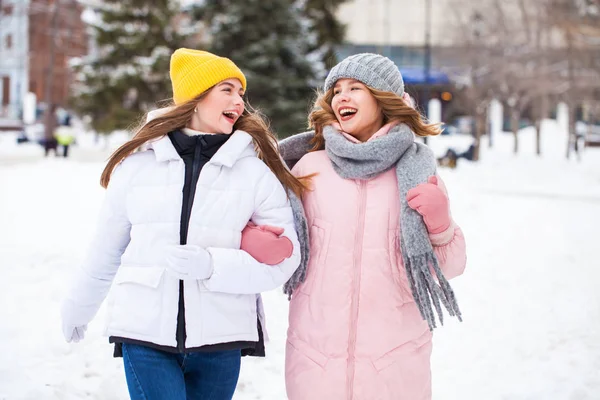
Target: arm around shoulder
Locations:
point(234, 270)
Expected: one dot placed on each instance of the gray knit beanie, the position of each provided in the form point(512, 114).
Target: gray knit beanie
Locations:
point(373, 70)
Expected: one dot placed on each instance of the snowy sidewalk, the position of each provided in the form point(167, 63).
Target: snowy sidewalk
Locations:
point(529, 296)
point(87, 149)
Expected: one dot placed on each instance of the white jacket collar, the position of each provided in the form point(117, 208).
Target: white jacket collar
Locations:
point(164, 149)
point(238, 146)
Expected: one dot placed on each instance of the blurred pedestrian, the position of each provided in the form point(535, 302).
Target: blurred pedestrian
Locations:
point(49, 141)
point(65, 135)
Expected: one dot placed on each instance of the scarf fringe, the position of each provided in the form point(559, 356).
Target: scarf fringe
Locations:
point(414, 164)
point(426, 290)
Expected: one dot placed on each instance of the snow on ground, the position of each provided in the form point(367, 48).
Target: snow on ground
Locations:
point(529, 299)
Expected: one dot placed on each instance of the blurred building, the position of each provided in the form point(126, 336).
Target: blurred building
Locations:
point(416, 35)
point(396, 22)
point(27, 54)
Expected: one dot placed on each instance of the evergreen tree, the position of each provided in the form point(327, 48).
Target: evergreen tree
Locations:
point(127, 74)
point(270, 42)
point(328, 29)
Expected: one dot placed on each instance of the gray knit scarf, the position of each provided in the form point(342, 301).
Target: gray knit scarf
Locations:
point(301, 225)
point(414, 163)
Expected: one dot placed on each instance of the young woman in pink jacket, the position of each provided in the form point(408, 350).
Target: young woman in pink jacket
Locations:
point(382, 243)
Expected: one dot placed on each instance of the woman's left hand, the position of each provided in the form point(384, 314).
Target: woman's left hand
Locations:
point(188, 262)
point(266, 244)
point(431, 202)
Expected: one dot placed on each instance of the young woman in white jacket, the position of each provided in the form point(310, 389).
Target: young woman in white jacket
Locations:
point(183, 307)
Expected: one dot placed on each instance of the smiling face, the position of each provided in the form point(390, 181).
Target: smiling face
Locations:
point(220, 108)
point(356, 109)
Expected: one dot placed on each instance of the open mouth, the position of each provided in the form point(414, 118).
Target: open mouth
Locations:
point(347, 113)
point(230, 116)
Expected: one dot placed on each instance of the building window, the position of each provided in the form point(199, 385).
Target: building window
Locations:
point(8, 41)
point(5, 90)
point(7, 9)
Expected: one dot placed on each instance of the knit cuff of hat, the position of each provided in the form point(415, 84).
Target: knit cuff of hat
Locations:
point(353, 70)
point(196, 84)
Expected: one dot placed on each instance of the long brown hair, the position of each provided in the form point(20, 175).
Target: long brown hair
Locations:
point(251, 121)
point(393, 107)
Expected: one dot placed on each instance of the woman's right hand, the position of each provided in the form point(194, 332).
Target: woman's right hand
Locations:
point(265, 243)
point(73, 331)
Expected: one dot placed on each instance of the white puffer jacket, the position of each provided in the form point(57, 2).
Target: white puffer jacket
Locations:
point(141, 215)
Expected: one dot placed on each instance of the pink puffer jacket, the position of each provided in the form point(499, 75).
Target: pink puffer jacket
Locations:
point(355, 332)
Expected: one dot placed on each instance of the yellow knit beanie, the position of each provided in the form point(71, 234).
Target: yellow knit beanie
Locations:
point(195, 71)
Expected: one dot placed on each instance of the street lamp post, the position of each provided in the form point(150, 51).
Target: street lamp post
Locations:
point(387, 30)
point(427, 59)
point(48, 88)
point(427, 41)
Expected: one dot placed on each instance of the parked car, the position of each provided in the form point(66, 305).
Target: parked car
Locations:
point(590, 134)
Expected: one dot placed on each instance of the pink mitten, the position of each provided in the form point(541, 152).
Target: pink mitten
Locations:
point(431, 202)
point(408, 100)
point(266, 244)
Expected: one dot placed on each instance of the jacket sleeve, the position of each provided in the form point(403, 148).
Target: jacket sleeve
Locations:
point(235, 271)
point(449, 246)
point(93, 278)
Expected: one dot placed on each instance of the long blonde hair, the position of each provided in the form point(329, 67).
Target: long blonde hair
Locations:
point(393, 107)
point(251, 121)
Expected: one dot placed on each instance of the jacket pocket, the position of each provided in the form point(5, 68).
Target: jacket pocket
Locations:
point(416, 351)
point(305, 351)
point(397, 266)
point(320, 232)
point(227, 314)
point(137, 300)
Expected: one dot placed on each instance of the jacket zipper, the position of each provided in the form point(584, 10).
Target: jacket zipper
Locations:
point(181, 332)
point(358, 250)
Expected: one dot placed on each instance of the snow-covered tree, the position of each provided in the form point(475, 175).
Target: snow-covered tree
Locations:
point(528, 54)
point(329, 31)
point(271, 42)
point(127, 72)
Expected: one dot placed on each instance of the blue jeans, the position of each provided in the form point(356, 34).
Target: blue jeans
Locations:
point(157, 375)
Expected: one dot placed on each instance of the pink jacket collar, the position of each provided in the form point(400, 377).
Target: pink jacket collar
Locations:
point(384, 130)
